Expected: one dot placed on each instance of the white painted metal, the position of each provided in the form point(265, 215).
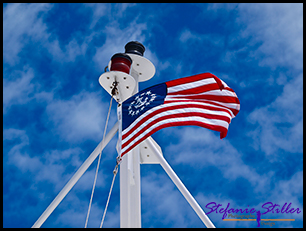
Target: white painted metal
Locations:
point(143, 67)
point(130, 203)
point(130, 198)
point(147, 155)
point(76, 177)
point(179, 184)
point(126, 84)
point(140, 65)
point(148, 152)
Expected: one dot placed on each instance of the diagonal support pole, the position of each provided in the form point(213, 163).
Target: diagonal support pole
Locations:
point(179, 184)
point(74, 179)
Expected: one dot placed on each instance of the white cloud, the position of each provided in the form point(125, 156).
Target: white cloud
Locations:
point(20, 87)
point(161, 199)
point(17, 90)
point(19, 157)
point(276, 33)
point(279, 29)
point(209, 39)
point(275, 30)
point(116, 38)
point(225, 6)
point(74, 210)
point(270, 35)
point(111, 11)
point(70, 51)
point(12, 133)
point(200, 148)
point(289, 191)
point(80, 118)
point(202, 42)
point(51, 166)
point(280, 124)
point(23, 24)
point(99, 10)
point(187, 35)
point(20, 22)
point(16, 155)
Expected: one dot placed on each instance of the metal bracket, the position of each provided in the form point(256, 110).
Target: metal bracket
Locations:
point(147, 155)
point(125, 84)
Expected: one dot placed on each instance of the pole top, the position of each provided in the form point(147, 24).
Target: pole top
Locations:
point(121, 62)
point(122, 55)
point(134, 47)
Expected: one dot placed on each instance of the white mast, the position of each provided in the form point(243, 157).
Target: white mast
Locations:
point(130, 195)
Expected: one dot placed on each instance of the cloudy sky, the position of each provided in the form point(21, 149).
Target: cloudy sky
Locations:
point(54, 109)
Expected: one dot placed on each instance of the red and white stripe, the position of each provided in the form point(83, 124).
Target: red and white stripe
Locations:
point(195, 100)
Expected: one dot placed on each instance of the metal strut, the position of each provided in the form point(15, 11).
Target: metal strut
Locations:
point(179, 184)
point(74, 179)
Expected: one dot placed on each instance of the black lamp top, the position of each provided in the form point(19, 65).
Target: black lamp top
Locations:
point(134, 47)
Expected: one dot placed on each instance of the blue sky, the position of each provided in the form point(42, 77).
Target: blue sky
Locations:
point(54, 109)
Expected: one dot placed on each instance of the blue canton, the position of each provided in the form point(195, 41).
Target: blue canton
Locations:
point(141, 102)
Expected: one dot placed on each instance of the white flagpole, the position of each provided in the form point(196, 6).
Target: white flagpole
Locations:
point(75, 177)
point(126, 76)
point(176, 180)
point(130, 196)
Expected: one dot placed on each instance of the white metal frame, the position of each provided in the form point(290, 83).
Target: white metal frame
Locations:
point(148, 152)
point(130, 197)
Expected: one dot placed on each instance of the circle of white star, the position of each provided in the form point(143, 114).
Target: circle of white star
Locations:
point(140, 102)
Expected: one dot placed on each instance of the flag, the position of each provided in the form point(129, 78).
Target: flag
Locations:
point(201, 100)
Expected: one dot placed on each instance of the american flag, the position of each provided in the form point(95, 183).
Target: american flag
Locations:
point(202, 100)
